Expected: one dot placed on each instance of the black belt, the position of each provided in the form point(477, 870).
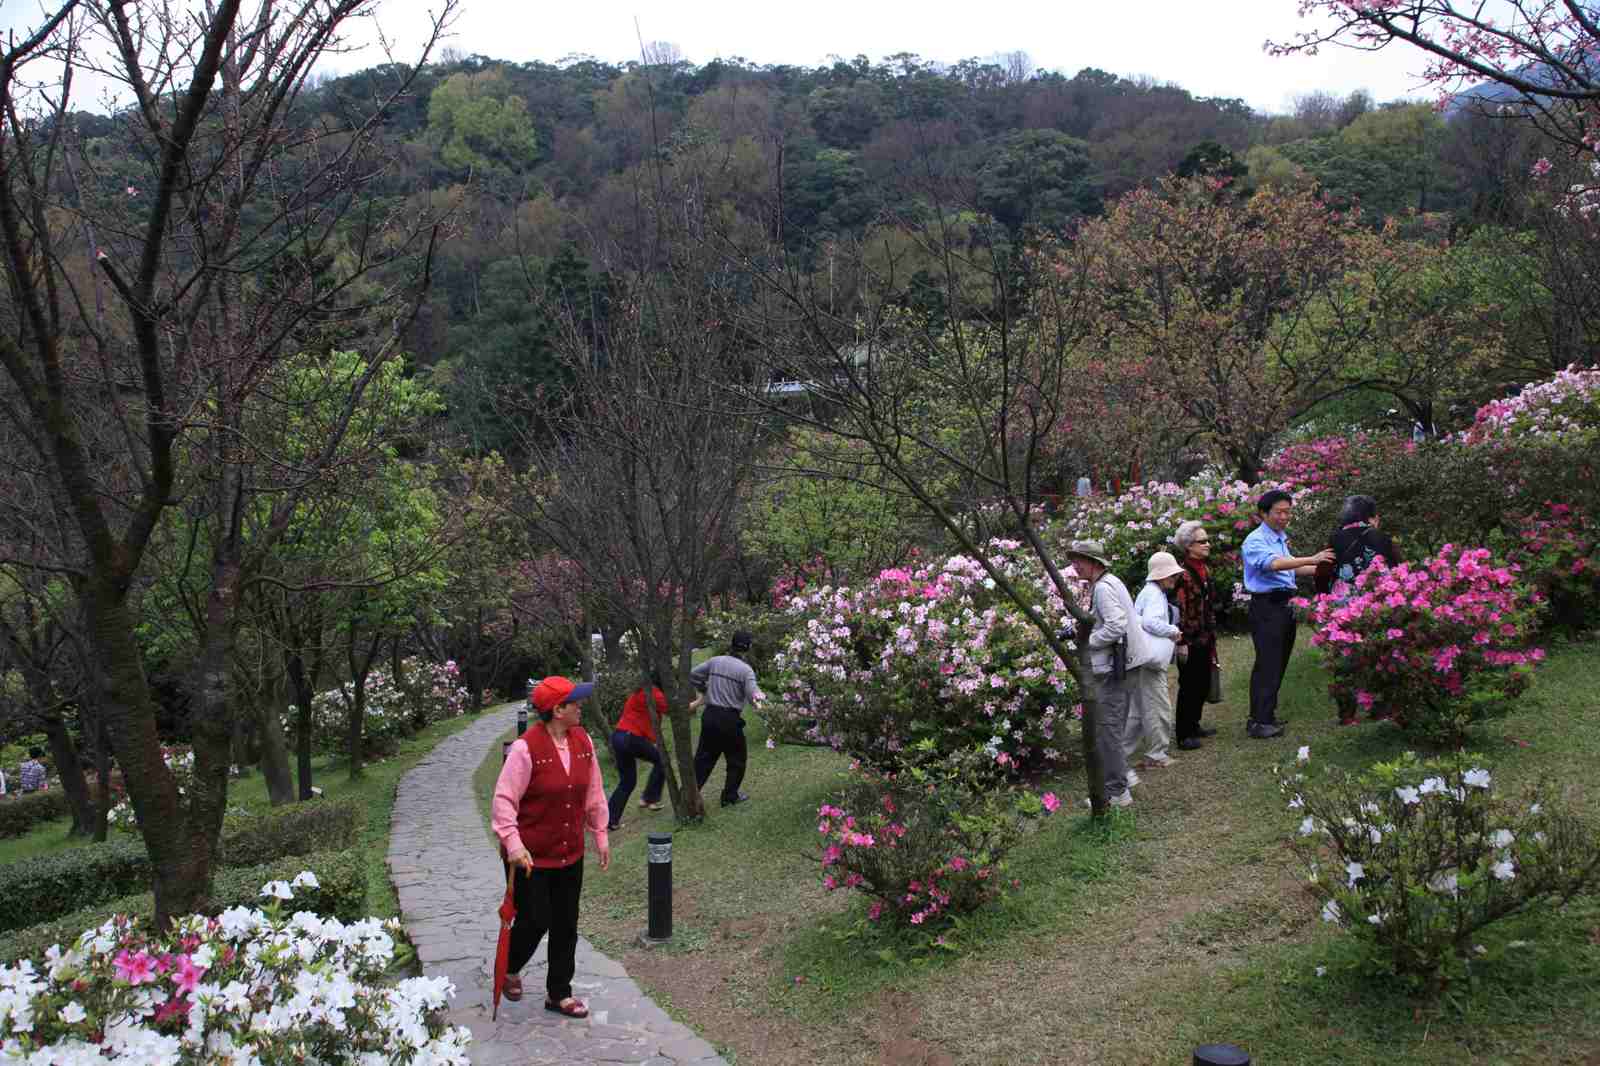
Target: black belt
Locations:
point(720, 707)
point(1276, 596)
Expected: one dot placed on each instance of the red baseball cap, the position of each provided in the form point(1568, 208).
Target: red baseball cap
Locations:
point(552, 692)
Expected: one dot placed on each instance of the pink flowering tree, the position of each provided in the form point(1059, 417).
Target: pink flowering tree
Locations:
point(1444, 643)
point(1542, 52)
point(919, 666)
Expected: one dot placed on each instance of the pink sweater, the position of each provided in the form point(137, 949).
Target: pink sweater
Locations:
point(513, 783)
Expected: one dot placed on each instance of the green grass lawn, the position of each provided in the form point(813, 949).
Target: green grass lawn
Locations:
point(1181, 922)
point(375, 791)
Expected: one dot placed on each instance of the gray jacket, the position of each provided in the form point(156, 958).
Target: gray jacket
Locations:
point(726, 680)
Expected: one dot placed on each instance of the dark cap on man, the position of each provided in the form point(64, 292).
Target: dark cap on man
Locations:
point(741, 641)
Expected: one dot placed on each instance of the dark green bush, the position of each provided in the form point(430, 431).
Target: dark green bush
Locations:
point(298, 830)
point(40, 889)
point(20, 814)
point(342, 894)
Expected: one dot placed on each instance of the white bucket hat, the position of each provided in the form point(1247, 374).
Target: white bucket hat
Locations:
point(1163, 565)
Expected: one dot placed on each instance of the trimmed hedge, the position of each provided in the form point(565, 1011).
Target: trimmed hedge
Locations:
point(46, 888)
point(342, 894)
point(20, 814)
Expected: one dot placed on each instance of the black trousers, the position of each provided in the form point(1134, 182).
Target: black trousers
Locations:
point(721, 734)
point(547, 902)
point(1194, 685)
point(629, 748)
point(1272, 632)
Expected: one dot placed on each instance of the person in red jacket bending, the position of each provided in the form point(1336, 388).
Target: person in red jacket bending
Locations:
point(635, 739)
point(550, 790)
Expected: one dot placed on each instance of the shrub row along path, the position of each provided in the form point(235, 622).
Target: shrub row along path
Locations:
point(449, 881)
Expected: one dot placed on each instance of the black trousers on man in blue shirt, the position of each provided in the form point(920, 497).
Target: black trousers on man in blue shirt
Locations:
point(1272, 631)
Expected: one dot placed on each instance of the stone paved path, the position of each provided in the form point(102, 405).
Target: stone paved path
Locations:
point(450, 883)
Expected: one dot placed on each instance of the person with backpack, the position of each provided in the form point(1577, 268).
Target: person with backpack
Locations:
point(1356, 545)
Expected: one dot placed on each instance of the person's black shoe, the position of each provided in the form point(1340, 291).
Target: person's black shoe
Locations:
point(742, 797)
point(1265, 732)
point(1207, 732)
point(1190, 743)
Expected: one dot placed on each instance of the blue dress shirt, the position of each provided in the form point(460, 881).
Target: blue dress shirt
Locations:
point(1263, 545)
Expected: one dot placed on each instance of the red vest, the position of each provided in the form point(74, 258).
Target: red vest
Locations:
point(550, 816)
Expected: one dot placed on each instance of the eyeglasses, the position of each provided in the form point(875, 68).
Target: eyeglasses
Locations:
point(1201, 540)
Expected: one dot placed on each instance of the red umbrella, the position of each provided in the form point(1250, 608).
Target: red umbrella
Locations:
point(502, 951)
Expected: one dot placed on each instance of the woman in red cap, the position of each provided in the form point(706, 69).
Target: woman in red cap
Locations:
point(549, 790)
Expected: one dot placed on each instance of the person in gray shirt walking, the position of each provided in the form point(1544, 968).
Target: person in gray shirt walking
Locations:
point(727, 683)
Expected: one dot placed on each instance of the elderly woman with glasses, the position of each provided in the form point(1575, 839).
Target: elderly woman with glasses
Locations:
point(1197, 623)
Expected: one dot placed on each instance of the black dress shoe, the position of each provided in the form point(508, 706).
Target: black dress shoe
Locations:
point(1207, 732)
point(1190, 743)
point(740, 798)
point(1265, 732)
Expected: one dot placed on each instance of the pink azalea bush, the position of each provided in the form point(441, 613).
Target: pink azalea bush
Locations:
point(1416, 857)
point(1443, 642)
point(1564, 409)
point(1143, 519)
point(924, 846)
point(917, 664)
point(248, 986)
point(1319, 465)
point(425, 692)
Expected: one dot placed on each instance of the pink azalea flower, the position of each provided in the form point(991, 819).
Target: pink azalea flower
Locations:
point(1051, 803)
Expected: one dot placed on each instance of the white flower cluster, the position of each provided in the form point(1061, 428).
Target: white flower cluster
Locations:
point(247, 988)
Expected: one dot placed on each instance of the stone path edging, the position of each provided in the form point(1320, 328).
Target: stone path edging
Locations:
point(449, 881)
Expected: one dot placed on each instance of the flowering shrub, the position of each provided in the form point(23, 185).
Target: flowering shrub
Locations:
point(916, 665)
point(249, 986)
point(1565, 409)
point(1442, 642)
point(1416, 857)
point(927, 845)
point(1323, 464)
point(1558, 552)
point(424, 693)
point(180, 761)
point(1143, 519)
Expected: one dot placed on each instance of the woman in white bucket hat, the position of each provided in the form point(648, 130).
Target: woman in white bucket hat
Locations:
point(1150, 715)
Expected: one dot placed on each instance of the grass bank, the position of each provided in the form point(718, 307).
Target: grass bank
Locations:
point(1184, 921)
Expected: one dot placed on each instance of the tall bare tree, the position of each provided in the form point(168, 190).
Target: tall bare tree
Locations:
point(249, 236)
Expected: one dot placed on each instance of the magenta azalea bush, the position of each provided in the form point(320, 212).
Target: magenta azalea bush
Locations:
point(1558, 552)
point(252, 987)
point(925, 846)
point(918, 664)
point(1443, 643)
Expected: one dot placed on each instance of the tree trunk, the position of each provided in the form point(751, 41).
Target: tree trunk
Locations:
point(355, 722)
point(300, 684)
point(180, 851)
point(274, 748)
point(70, 767)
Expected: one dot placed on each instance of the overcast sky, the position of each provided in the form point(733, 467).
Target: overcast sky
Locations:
point(1210, 47)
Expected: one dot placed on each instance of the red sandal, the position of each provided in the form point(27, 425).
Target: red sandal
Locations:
point(572, 1008)
point(512, 989)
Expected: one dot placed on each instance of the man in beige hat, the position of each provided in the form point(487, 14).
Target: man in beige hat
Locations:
point(1116, 641)
point(1150, 713)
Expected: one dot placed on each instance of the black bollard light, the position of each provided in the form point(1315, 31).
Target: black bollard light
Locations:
point(658, 851)
point(505, 750)
point(522, 718)
point(1220, 1055)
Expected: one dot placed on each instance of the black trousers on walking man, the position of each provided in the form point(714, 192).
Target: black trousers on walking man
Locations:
point(1272, 631)
point(721, 734)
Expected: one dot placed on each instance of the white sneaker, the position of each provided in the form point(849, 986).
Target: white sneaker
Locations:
point(1133, 777)
point(1159, 760)
point(1123, 800)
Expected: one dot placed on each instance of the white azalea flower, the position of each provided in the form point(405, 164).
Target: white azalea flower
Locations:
point(1330, 911)
point(1504, 870)
point(1321, 970)
point(73, 1013)
point(1502, 838)
point(1476, 778)
point(1308, 826)
point(277, 890)
point(1408, 796)
point(1297, 802)
point(1304, 754)
point(305, 879)
point(1354, 871)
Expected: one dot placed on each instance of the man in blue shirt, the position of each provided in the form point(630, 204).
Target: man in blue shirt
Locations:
point(1269, 574)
